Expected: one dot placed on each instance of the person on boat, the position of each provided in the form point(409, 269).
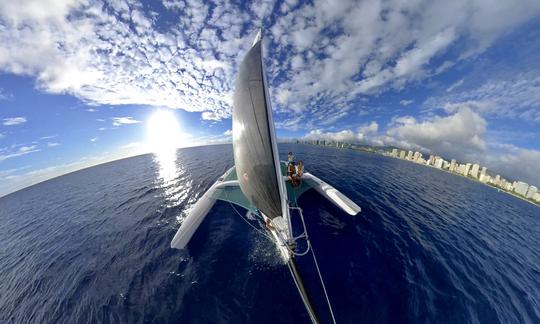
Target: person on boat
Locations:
point(290, 158)
point(299, 172)
point(291, 173)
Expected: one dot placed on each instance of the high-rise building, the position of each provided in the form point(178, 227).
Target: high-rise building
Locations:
point(402, 154)
point(497, 180)
point(537, 197)
point(417, 157)
point(531, 192)
point(521, 187)
point(467, 169)
point(484, 178)
point(474, 170)
point(410, 155)
point(452, 165)
point(394, 152)
point(484, 171)
point(439, 163)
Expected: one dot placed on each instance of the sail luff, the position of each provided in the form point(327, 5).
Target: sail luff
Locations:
point(281, 182)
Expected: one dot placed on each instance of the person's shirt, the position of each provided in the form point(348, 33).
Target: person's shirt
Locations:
point(291, 170)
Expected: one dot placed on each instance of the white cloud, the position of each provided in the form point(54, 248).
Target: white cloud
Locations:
point(5, 153)
point(131, 145)
point(191, 65)
point(370, 128)
point(454, 85)
point(458, 135)
point(346, 135)
point(383, 45)
point(53, 144)
point(47, 137)
point(4, 95)
point(14, 121)
point(515, 162)
point(342, 136)
point(65, 46)
point(228, 132)
point(94, 139)
point(515, 98)
point(119, 121)
point(405, 102)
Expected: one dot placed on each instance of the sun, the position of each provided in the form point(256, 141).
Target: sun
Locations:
point(163, 131)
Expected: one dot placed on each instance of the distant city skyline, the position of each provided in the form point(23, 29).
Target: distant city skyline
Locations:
point(472, 170)
point(82, 82)
point(466, 169)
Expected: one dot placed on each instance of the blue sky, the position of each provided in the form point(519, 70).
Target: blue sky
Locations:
point(79, 80)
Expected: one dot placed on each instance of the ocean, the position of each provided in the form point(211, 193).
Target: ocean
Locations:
point(428, 247)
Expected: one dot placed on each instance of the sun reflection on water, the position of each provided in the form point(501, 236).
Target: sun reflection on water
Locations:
point(169, 177)
point(164, 139)
point(167, 170)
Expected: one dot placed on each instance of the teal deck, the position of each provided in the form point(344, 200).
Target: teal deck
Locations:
point(235, 195)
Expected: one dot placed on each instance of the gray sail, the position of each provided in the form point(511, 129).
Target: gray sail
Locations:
point(254, 142)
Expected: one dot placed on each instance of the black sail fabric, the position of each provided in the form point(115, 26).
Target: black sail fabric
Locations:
point(252, 139)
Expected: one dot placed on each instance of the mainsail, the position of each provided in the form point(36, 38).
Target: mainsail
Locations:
point(254, 142)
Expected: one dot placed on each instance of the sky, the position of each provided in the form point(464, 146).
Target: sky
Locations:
point(81, 80)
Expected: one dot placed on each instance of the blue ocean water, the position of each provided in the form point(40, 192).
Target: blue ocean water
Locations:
point(93, 247)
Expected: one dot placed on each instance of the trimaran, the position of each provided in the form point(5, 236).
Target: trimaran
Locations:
point(258, 181)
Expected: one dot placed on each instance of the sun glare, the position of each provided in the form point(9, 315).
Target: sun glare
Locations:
point(163, 132)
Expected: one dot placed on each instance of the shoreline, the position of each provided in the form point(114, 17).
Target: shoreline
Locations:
point(374, 151)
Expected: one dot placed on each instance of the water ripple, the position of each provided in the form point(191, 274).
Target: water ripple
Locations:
point(93, 246)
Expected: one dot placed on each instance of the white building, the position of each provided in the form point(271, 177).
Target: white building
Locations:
point(484, 178)
point(531, 192)
point(410, 155)
point(467, 169)
point(484, 170)
point(402, 154)
point(521, 188)
point(474, 170)
point(394, 152)
point(439, 163)
point(497, 180)
point(452, 165)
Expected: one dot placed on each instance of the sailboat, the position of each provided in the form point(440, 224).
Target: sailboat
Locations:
point(258, 181)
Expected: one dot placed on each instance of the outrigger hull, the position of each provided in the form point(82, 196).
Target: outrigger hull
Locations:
point(227, 188)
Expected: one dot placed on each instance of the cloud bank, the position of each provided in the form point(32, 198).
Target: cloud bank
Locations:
point(322, 56)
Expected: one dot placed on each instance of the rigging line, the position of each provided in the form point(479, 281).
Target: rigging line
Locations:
point(247, 222)
point(323, 285)
point(310, 247)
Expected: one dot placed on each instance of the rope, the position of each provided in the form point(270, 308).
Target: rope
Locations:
point(310, 248)
point(247, 222)
point(323, 285)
